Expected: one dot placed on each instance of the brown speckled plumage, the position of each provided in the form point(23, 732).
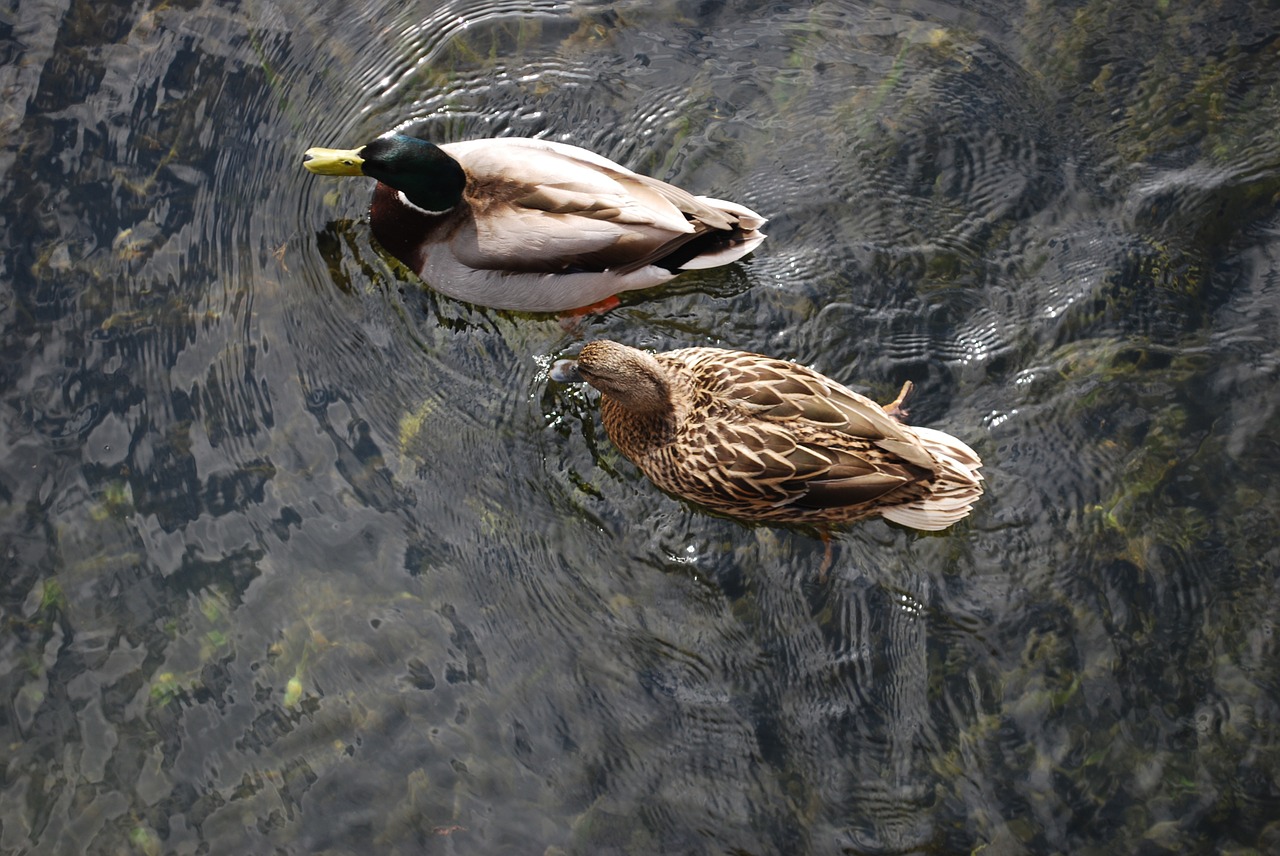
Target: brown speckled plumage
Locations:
point(761, 439)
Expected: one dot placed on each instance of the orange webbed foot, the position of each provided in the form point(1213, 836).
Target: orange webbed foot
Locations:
point(896, 408)
point(569, 320)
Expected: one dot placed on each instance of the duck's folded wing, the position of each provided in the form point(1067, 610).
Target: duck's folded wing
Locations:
point(764, 463)
point(543, 207)
point(553, 178)
point(590, 184)
point(547, 207)
point(512, 238)
point(788, 392)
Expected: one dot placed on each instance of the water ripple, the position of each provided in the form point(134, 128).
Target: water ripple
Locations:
point(304, 556)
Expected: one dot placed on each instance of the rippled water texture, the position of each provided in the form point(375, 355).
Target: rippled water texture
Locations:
point(303, 558)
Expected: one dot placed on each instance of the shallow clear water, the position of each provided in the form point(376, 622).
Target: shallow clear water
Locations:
point(301, 557)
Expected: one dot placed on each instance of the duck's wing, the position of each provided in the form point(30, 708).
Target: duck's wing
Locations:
point(539, 205)
point(823, 444)
point(765, 463)
point(581, 181)
point(783, 392)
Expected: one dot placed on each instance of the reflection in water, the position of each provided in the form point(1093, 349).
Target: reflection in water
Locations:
point(302, 556)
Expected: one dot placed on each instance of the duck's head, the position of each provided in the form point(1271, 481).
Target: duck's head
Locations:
point(428, 177)
point(632, 378)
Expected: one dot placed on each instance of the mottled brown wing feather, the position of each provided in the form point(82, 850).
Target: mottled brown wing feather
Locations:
point(804, 395)
point(842, 493)
point(779, 402)
point(767, 459)
point(852, 480)
point(782, 392)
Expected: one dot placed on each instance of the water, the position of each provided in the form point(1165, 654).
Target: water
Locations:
point(303, 558)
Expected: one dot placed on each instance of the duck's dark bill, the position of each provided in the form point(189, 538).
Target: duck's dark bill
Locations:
point(565, 371)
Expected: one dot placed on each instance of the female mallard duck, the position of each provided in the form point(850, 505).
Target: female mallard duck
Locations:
point(765, 440)
point(533, 225)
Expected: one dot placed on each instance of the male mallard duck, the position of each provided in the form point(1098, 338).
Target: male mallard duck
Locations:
point(534, 225)
point(765, 440)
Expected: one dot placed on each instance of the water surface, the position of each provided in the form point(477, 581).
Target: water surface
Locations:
point(302, 557)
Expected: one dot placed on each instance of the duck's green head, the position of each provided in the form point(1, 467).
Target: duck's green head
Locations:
point(428, 177)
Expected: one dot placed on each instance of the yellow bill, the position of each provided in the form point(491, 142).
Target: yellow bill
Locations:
point(334, 161)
